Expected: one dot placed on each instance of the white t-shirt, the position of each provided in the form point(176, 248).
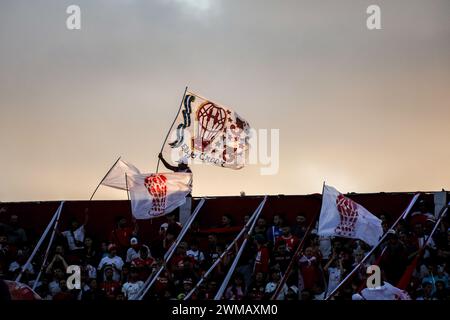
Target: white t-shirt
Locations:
point(334, 278)
point(131, 290)
point(132, 254)
point(117, 261)
point(197, 255)
point(15, 265)
point(77, 235)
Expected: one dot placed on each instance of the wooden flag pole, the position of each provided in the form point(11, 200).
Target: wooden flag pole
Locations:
point(225, 282)
point(404, 214)
point(101, 181)
point(171, 126)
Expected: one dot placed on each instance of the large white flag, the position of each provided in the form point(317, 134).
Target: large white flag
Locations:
point(207, 132)
point(116, 176)
point(342, 217)
point(156, 194)
point(385, 292)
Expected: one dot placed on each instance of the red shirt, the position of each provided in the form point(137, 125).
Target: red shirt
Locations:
point(144, 267)
point(262, 260)
point(110, 288)
point(121, 237)
point(291, 242)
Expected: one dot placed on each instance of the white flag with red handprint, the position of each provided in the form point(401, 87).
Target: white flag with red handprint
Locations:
point(208, 133)
point(342, 217)
point(157, 194)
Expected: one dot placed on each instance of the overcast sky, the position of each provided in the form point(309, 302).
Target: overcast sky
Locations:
point(367, 111)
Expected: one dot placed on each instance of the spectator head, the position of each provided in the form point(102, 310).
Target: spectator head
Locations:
point(74, 224)
point(88, 242)
point(134, 243)
point(440, 286)
point(212, 239)
point(286, 230)
point(134, 275)
point(93, 285)
point(143, 252)
point(170, 218)
point(275, 276)
point(259, 277)
point(59, 250)
point(246, 218)
point(112, 250)
point(14, 220)
point(3, 239)
point(182, 248)
point(427, 288)
point(58, 273)
point(306, 295)
point(261, 223)
point(187, 284)
point(309, 252)
point(238, 279)
point(109, 272)
point(300, 219)
point(121, 222)
point(277, 220)
point(226, 221)
point(281, 246)
point(194, 245)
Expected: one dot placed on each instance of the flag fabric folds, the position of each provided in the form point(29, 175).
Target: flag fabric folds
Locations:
point(207, 132)
point(116, 176)
point(384, 292)
point(157, 194)
point(342, 217)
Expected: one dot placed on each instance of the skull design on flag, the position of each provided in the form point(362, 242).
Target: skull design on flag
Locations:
point(348, 213)
point(156, 186)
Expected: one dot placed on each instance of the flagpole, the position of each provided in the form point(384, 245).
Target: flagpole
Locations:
point(442, 213)
point(294, 259)
point(222, 288)
point(52, 237)
point(171, 126)
point(220, 258)
point(404, 214)
point(38, 245)
point(101, 181)
point(149, 283)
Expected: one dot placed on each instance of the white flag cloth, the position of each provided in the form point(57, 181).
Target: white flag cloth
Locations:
point(385, 292)
point(156, 194)
point(116, 176)
point(207, 132)
point(342, 217)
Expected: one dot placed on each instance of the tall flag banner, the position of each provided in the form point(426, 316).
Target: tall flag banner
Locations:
point(207, 132)
point(342, 217)
point(157, 194)
point(116, 176)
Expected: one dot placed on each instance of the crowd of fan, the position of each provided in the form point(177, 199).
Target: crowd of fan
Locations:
point(116, 268)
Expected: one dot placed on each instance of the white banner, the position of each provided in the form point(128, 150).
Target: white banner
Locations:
point(156, 194)
point(207, 132)
point(116, 176)
point(342, 217)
